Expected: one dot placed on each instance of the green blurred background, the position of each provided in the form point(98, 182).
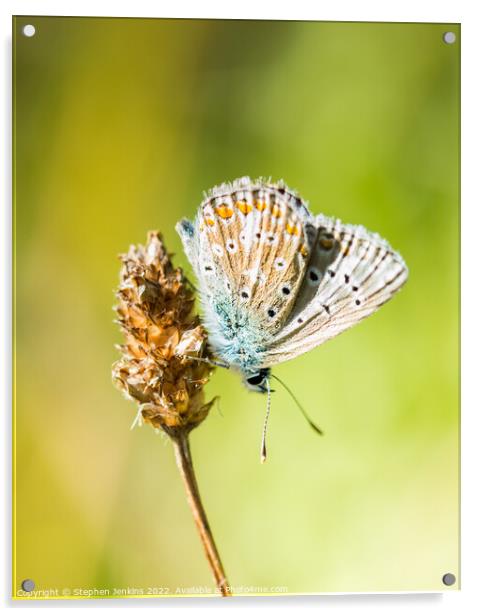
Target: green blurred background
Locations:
point(120, 124)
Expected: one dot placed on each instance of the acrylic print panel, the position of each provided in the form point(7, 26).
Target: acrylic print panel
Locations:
point(120, 125)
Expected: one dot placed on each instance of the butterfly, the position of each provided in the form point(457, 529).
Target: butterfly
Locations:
point(276, 281)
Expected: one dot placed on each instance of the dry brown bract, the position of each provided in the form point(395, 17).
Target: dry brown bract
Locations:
point(155, 313)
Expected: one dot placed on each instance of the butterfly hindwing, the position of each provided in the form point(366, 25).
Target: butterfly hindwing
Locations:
point(351, 273)
point(252, 241)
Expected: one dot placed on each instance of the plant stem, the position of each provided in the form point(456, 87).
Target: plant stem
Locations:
point(185, 466)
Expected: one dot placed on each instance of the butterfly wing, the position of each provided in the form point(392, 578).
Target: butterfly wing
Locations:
point(275, 281)
point(251, 242)
point(351, 273)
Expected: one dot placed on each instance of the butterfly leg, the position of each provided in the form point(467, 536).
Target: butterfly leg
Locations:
point(212, 362)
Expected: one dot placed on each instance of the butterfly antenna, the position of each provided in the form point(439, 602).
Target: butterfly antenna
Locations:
point(263, 454)
point(302, 410)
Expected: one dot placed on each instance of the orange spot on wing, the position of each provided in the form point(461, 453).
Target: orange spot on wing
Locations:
point(303, 250)
point(210, 222)
point(244, 207)
point(224, 211)
point(326, 243)
point(260, 205)
point(276, 211)
point(292, 229)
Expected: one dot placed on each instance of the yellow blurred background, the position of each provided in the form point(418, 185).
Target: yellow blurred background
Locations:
point(120, 124)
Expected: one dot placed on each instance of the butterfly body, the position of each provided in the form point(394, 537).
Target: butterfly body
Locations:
point(276, 281)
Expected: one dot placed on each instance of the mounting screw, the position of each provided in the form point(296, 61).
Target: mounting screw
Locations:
point(28, 30)
point(28, 585)
point(449, 579)
point(449, 38)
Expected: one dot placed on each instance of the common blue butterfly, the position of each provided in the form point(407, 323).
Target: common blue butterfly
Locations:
point(275, 281)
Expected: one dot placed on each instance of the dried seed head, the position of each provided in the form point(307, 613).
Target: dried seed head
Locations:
point(155, 313)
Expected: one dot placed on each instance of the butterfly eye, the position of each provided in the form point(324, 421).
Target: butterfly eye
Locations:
point(256, 379)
